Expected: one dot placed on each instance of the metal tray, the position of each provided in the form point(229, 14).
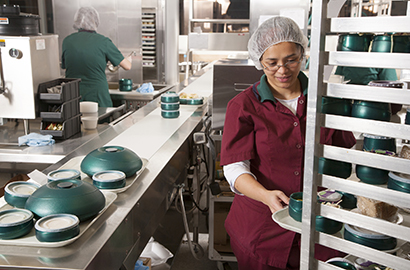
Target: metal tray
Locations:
point(30, 239)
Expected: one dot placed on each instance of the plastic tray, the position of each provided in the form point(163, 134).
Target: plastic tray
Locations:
point(67, 110)
point(69, 90)
point(71, 127)
point(30, 239)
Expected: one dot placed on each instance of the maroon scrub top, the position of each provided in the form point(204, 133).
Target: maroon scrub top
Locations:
point(261, 129)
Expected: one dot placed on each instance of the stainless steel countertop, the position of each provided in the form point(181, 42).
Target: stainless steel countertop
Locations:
point(115, 239)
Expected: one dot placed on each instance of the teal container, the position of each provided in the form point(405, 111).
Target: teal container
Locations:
point(170, 97)
point(15, 223)
point(336, 106)
point(343, 265)
point(382, 43)
point(371, 110)
point(328, 225)
point(170, 106)
point(354, 42)
point(369, 239)
point(170, 114)
point(334, 167)
point(111, 158)
point(125, 85)
point(192, 101)
point(17, 193)
point(372, 175)
point(56, 228)
point(109, 179)
point(72, 196)
point(374, 142)
point(399, 182)
point(401, 43)
point(349, 201)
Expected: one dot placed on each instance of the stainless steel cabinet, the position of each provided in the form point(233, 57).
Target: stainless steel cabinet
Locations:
point(322, 26)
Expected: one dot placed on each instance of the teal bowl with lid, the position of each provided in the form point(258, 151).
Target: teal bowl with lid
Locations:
point(15, 223)
point(354, 42)
point(192, 101)
point(382, 43)
point(371, 110)
point(170, 114)
point(170, 106)
point(109, 179)
point(116, 158)
point(57, 227)
point(17, 193)
point(71, 196)
point(399, 182)
point(368, 238)
point(170, 97)
point(372, 143)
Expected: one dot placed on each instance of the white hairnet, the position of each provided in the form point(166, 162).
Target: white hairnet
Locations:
point(86, 18)
point(273, 31)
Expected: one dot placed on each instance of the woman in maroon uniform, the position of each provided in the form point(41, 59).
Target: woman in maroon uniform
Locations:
point(263, 148)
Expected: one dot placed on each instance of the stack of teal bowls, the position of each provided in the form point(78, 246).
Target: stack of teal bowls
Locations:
point(389, 43)
point(125, 85)
point(378, 144)
point(170, 105)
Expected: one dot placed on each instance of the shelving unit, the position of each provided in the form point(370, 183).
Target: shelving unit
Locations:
point(322, 26)
point(148, 39)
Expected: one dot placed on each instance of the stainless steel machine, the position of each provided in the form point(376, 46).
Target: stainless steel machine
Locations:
point(25, 62)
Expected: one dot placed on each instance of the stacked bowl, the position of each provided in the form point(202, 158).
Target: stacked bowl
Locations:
point(89, 114)
point(170, 105)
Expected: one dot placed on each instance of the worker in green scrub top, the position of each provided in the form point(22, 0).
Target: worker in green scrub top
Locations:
point(364, 75)
point(85, 55)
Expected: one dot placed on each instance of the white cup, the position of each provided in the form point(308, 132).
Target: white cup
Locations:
point(89, 122)
point(88, 107)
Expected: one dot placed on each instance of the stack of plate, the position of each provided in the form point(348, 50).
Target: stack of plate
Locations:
point(170, 105)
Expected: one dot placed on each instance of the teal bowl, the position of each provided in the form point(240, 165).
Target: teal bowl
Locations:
point(328, 225)
point(372, 143)
point(349, 201)
point(399, 182)
point(170, 114)
point(56, 228)
point(372, 175)
point(115, 158)
point(368, 238)
point(125, 85)
point(17, 193)
point(295, 206)
point(354, 42)
point(192, 101)
point(336, 106)
point(170, 106)
point(343, 265)
point(15, 223)
point(334, 167)
point(401, 43)
point(371, 110)
point(72, 196)
point(109, 179)
point(382, 43)
point(170, 97)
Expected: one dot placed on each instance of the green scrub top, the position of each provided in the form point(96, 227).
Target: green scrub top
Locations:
point(85, 55)
point(362, 76)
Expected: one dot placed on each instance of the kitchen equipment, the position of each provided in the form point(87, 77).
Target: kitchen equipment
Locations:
point(15, 223)
point(72, 196)
point(368, 238)
point(337, 106)
point(371, 110)
point(17, 193)
point(16, 23)
point(111, 158)
point(399, 182)
point(64, 174)
point(109, 179)
point(125, 84)
point(56, 228)
point(372, 143)
point(354, 42)
point(334, 167)
point(167, 110)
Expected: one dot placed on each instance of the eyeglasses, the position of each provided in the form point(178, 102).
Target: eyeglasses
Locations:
point(289, 64)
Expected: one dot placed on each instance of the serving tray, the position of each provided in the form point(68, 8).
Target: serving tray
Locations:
point(30, 239)
point(75, 163)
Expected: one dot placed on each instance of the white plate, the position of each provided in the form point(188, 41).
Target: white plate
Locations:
point(30, 239)
point(287, 222)
point(75, 163)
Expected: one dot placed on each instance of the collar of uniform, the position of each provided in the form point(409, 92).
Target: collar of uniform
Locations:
point(265, 93)
point(84, 30)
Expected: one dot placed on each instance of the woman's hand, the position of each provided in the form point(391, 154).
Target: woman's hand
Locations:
point(275, 199)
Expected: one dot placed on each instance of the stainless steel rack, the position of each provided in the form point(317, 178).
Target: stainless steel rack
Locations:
point(322, 26)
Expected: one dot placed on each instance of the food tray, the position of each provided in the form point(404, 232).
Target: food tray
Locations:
point(75, 163)
point(69, 90)
point(287, 222)
point(30, 239)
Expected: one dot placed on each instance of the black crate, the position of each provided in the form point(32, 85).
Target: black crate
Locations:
point(71, 127)
point(60, 113)
point(69, 90)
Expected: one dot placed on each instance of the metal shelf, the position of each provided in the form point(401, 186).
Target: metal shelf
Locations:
point(370, 59)
point(377, 24)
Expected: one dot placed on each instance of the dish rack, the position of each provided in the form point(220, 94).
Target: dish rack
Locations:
point(319, 58)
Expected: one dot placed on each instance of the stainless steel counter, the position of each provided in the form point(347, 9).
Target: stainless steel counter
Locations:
point(117, 238)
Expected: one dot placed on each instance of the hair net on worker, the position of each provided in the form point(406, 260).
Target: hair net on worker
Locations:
point(274, 31)
point(86, 18)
